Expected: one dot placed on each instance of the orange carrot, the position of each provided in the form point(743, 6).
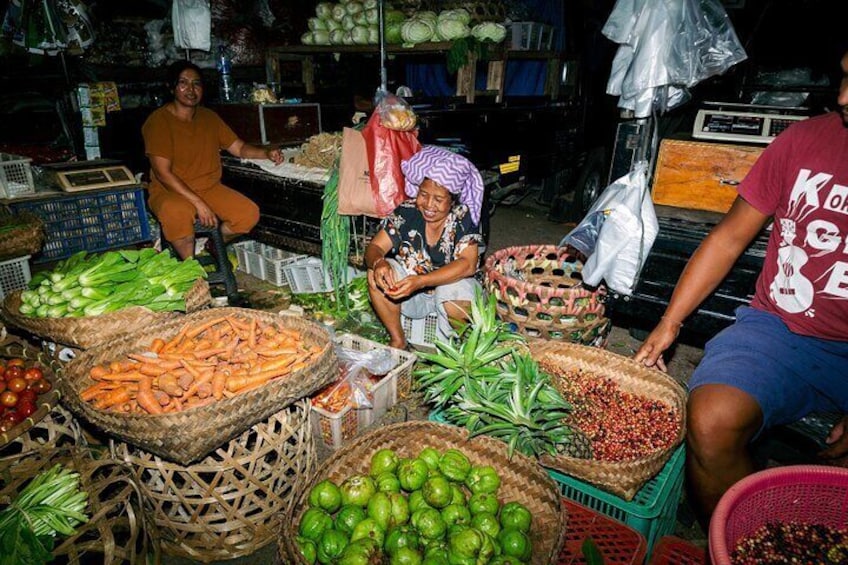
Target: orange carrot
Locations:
point(168, 383)
point(162, 398)
point(204, 390)
point(219, 383)
point(145, 397)
point(95, 389)
point(112, 398)
point(200, 328)
point(97, 372)
point(151, 370)
point(124, 377)
point(157, 344)
point(185, 380)
point(240, 382)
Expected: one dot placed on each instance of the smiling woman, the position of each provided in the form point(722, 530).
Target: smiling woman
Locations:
point(424, 258)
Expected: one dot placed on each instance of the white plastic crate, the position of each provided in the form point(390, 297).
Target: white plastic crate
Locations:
point(242, 248)
point(14, 275)
point(530, 36)
point(15, 176)
point(334, 429)
point(421, 331)
point(274, 260)
point(307, 275)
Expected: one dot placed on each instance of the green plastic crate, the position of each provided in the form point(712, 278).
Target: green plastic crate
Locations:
point(652, 512)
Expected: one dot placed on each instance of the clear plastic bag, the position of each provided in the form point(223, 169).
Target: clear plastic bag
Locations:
point(584, 237)
point(192, 21)
point(395, 113)
point(359, 370)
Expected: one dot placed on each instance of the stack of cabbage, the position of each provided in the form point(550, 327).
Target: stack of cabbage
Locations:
point(355, 23)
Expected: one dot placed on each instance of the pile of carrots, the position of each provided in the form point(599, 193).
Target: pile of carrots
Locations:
point(203, 363)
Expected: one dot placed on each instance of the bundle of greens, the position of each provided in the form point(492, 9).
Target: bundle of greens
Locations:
point(486, 382)
point(90, 285)
point(335, 237)
point(50, 505)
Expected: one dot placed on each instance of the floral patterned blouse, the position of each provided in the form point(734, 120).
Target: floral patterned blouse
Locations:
point(406, 228)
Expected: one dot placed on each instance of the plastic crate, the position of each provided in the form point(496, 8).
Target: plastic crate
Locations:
point(671, 550)
point(652, 512)
point(333, 429)
point(307, 275)
point(15, 176)
point(273, 262)
point(90, 221)
point(421, 331)
point(14, 275)
point(617, 543)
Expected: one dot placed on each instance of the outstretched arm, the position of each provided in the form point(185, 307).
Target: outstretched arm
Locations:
point(247, 151)
point(708, 266)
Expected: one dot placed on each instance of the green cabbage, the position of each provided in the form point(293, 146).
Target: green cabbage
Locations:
point(347, 38)
point(332, 24)
point(360, 19)
point(339, 12)
point(373, 35)
point(307, 38)
point(359, 35)
point(460, 14)
point(394, 16)
point(427, 15)
point(348, 23)
point(449, 29)
point(393, 34)
point(489, 31)
point(370, 4)
point(337, 37)
point(321, 37)
point(324, 10)
point(316, 24)
point(353, 8)
point(417, 31)
point(373, 16)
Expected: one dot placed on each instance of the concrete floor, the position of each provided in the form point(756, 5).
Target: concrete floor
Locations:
point(523, 224)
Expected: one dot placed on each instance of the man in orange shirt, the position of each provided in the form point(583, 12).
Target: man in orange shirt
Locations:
point(183, 141)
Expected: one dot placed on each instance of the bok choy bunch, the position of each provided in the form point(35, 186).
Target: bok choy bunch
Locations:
point(93, 284)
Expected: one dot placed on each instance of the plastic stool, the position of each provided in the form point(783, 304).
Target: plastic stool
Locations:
point(223, 273)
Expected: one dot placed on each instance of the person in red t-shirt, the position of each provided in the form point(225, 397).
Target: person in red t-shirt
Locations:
point(183, 141)
point(787, 353)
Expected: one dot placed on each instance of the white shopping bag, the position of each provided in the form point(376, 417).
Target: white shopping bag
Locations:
point(192, 21)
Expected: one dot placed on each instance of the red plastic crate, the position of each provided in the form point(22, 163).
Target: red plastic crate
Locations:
point(672, 550)
point(618, 544)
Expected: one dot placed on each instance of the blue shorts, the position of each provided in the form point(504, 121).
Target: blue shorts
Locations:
point(789, 375)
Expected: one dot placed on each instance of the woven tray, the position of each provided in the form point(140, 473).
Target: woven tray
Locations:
point(522, 480)
point(13, 347)
point(622, 478)
point(231, 503)
point(91, 331)
point(184, 437)
point(538, 290)
point(27, 239)
point(116, 530)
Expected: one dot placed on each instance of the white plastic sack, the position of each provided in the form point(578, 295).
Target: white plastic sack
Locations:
point(626, 234)
point(667, 46)
point(192, 20)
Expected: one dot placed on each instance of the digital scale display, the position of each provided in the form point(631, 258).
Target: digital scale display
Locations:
point(748, 124)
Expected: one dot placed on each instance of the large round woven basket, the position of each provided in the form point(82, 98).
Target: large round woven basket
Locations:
point(91, 331)
point(116, 531)
point(231, 503)
point(539, 291)
point(25, 237)
point(185, 437)
point(622, 478)
point(809, 494)
point(522, 480)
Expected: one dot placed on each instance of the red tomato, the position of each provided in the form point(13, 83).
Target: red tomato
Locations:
point(13, 416)
point(14, 372)
point(6, 425)
point(41, 386)
point(27, 395)
point(17, 384)
point(16, 362)
point(33, 373)
point(2, 385)
point(25, 408)
point(8, 398)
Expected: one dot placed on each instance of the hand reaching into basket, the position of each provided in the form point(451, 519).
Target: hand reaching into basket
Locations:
point(650, 354)
point(837, 440)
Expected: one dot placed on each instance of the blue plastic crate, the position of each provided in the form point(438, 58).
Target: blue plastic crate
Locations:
point(652, 512)
point(91, 221)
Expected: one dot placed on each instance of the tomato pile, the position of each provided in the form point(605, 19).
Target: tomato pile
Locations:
point(20, 387)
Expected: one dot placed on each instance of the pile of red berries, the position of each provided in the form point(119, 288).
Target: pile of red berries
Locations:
point(778, 543)
point(20, 387)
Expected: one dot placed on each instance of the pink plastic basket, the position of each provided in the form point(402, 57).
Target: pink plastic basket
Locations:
point(801, 493)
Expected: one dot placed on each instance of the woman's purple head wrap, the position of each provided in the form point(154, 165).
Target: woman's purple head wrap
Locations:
point(452, 171)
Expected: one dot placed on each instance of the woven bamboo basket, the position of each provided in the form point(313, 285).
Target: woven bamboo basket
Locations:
point(232, 503)
point(12, 347)
point(522, 480)
point(91, 331)
point(622, 478)
point(184, 437)
point(26, 238)
point(116, 530)
point(539, 290)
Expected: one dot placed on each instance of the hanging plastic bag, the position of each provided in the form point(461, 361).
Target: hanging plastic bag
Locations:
point(387, 147)
point(626, 234)
point(361, 370)
point(192, 20)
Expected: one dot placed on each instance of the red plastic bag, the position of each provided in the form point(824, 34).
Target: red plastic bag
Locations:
point(386, 149)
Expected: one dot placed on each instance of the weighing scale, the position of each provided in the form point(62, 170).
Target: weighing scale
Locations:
point(745, 123)
point(91, 175)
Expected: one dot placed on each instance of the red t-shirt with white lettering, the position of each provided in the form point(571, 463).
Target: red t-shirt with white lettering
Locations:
point(802, 180)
